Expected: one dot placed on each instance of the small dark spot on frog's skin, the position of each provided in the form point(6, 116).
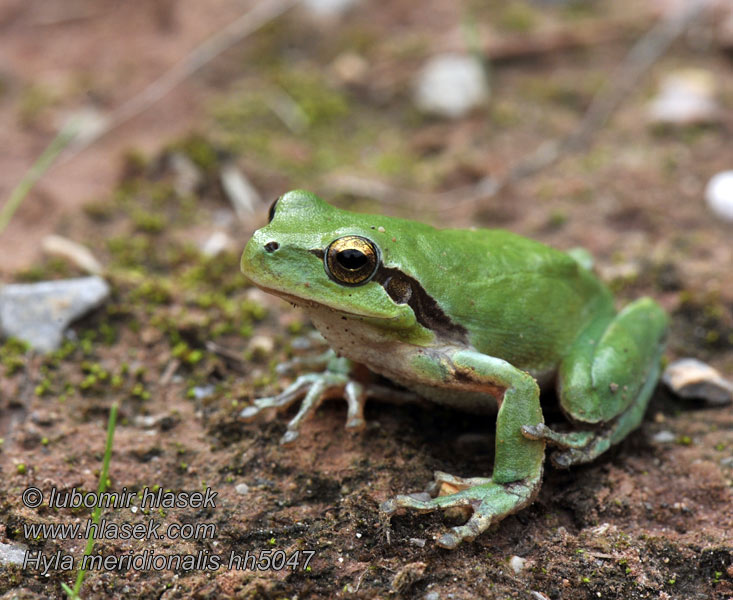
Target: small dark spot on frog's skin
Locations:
point(306, 284)
point(394, 239)
point(373, 227)
point(271, 246)
point(613, 387)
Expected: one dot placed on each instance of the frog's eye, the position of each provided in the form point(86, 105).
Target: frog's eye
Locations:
point(351, 260)
point(271, 213)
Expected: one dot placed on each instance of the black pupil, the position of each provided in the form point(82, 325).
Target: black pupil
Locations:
point(351, 259)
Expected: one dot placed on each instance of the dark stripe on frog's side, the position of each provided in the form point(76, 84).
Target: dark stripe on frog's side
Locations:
point(404, 289)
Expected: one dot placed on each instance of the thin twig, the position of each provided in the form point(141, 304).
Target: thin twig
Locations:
point(68, 143)
point(261, 14)
point(640, 58)
point(42, 164)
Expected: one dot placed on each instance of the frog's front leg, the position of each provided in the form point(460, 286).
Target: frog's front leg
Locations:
point(313, 388)
point(518, 461)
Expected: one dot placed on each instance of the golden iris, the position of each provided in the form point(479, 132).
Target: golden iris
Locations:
point(351, 260)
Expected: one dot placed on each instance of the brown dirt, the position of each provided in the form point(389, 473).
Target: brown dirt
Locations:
point(648, 520)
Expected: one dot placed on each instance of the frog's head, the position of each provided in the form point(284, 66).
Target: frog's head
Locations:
point(316, 255)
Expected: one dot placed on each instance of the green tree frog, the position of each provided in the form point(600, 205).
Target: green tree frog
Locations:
point(476, 319)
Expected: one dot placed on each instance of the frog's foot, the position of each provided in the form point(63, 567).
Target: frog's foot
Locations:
point(576, 447)
point(313, 388)
point(489, 501)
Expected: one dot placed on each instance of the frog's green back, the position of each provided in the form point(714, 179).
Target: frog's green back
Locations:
point(519, 299)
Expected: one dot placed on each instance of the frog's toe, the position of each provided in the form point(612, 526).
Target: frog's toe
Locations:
point(419, 501)
point(289, 437)
point(477, 524)
point(356, 397)
point(444, 484)
point(290, 395)
point(596, 446)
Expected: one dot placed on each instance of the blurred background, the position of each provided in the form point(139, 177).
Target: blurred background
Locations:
point(368, 98)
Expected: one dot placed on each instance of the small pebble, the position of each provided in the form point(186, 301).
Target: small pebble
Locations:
point(262, 344)
point(350, 68)
point(329, 8)
point(38, 313)
point(686, 97)
point(451, 85)
point(517, 563)
point(692, 378)
point(719, 194)
point(242, 489)
point(200, 392)
point(419, 542)
point(432, 595)
point(664, 437)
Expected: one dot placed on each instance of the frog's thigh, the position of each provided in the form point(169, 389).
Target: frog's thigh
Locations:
point(518, 462)
point(608, 378)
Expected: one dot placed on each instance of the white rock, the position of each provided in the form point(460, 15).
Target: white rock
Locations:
point(329, 8)
point(686, 97)
point(719, 194)
point(692, 378)
point(38, 313)
point(451, 85)
point(664, 437)
point(242, 488)
point(517, 563)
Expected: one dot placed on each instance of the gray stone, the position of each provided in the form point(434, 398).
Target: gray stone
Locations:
point(10, 554)
point(38, 313)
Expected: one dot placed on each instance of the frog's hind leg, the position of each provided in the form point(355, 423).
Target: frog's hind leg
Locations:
point(606, 382)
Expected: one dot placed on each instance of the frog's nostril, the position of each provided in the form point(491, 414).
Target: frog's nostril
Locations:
point(271, 246)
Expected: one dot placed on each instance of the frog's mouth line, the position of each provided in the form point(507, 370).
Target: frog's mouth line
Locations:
point(304, 303)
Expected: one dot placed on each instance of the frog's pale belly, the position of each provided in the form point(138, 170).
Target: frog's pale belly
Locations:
point(362, 343)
